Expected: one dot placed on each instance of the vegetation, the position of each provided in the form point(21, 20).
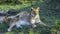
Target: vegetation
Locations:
point(49, 14)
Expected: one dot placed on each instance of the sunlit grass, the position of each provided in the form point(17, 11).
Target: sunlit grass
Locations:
point(6, 7)
point(9, 33)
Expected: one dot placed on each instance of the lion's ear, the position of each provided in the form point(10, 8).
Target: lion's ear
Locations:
point(32, 9)
point(38, 8)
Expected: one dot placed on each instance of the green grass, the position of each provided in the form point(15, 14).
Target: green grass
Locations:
point(7, 7)
point(47, 17)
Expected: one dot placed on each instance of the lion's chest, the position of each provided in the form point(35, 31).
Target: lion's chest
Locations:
point(35, 19)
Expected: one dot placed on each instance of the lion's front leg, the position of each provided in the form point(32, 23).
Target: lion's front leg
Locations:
point(11, 26)
point(33, 22)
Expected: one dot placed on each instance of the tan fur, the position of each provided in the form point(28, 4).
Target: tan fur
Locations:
point(33, 18)
point(12, 23)
point(6, 20)
point(26, 16)
point(36, 18)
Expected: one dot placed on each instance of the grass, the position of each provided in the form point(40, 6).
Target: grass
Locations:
point(47, 17)
point(7, 7)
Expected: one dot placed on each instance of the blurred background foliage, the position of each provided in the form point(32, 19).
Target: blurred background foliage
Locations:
point(49, 14)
